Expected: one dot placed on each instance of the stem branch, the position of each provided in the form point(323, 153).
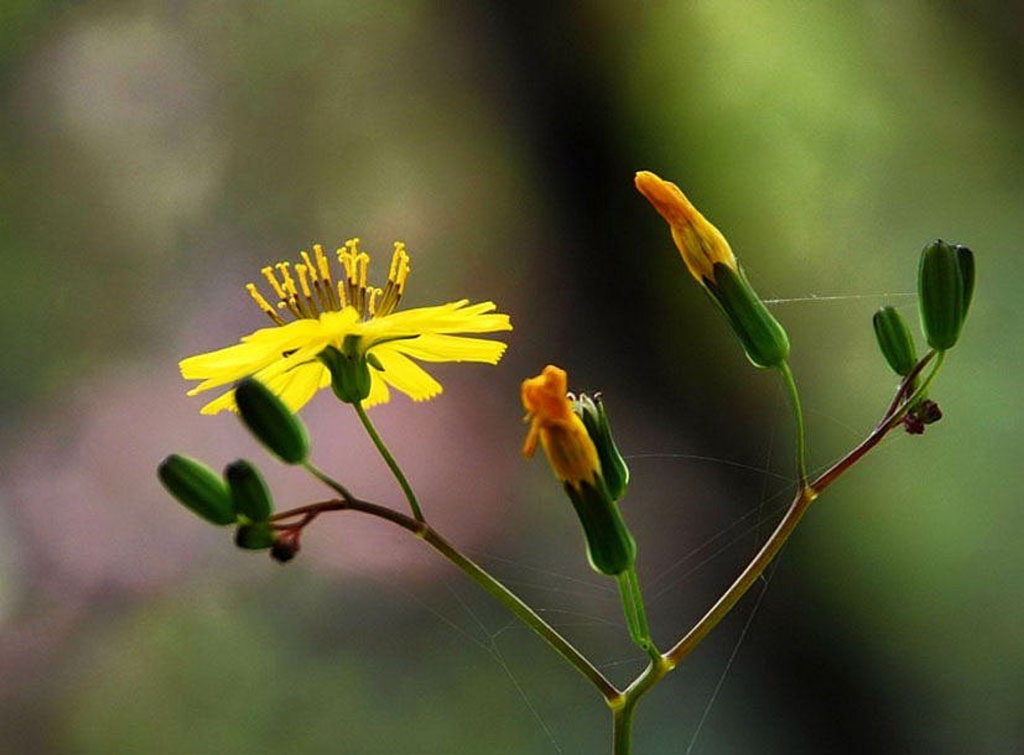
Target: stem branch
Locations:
point(522, 611)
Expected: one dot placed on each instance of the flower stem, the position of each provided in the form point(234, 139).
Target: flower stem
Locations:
point(509, 599)
point(327, 480)
point(897, 409)
point(635, 612)
point(390, 461)
point(798, 415)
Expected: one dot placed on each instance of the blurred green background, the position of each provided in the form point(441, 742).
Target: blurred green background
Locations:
point(154, 155)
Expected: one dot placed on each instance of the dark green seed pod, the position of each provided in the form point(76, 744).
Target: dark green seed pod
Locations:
point(613, 467)
point(763, 337)
point(895, 340)
point(198, 488)
point(610, 547)
point(248, 491)
point(940, 287)
point(254, 537)
point(273, 423)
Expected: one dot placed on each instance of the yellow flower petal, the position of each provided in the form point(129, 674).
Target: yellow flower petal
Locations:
point(405, 375)
point(700, 244)
point(436, 347)
point(568, 446)
point(379, 393)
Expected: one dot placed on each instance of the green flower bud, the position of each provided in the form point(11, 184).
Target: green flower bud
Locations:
point(895, 340)
point(613, 466)
point(945, 284)
point(248, 491)
point(763, 337)
point(610, 548)
point(965, 257)
point(273, 423)
point(198, 488)
point(254, 537)
point(350, 371)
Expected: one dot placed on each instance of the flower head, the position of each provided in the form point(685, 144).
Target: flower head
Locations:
point(314, 312)
point(555, 422)
point(700, 244)
point(710, 260)
point(561, 432)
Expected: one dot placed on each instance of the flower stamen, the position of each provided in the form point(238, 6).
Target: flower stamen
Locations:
point(307, 290)
point(263, 303)
point(395, 286)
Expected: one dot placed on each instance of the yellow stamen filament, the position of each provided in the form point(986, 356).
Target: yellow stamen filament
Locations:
point(396, 280)
point(268, 273)
point(371, 300)
point(263, 303)
point(325, 273)
point(294, 301)
point(307, 292)
point(324, 301)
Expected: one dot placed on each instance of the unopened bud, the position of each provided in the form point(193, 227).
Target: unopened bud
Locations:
point(610, 546)
point(945, 284)
point(895, 340)
point(273, 423)
point(762, 336)
point(249, 491)
point(254, 537)
point(198, 488)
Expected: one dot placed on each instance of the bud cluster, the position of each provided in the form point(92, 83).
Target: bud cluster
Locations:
point(241, 496)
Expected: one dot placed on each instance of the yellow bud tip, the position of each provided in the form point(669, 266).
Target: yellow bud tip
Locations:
point(700, 244)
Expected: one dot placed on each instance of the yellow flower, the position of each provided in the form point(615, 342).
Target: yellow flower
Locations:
point(700, 244)
point(325, 313)
point(560, 431)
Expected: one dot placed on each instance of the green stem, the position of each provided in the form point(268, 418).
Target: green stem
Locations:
point(509, 599)
point(798, 415)
point(624, 707)
point(754, 569)
point(889, 421)
point(328, 480)
point(390, 461)
point(635, 612)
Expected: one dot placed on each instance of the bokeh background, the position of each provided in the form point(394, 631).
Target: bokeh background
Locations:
point(154, 155)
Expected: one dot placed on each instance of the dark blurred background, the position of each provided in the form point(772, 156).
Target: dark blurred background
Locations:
point(154, 155)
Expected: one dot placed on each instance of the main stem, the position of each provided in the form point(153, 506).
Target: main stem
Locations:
point(396, 470)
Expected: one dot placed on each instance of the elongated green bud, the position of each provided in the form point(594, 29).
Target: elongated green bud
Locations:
point(945, 283)
point(610, 548)
point(198, 488)
point(965, 257)
point(254, 537)
point(614, 470)
point(350, 372)
point(895, 340)
point(248, 491)
point(763, 337)
point(273, 423)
